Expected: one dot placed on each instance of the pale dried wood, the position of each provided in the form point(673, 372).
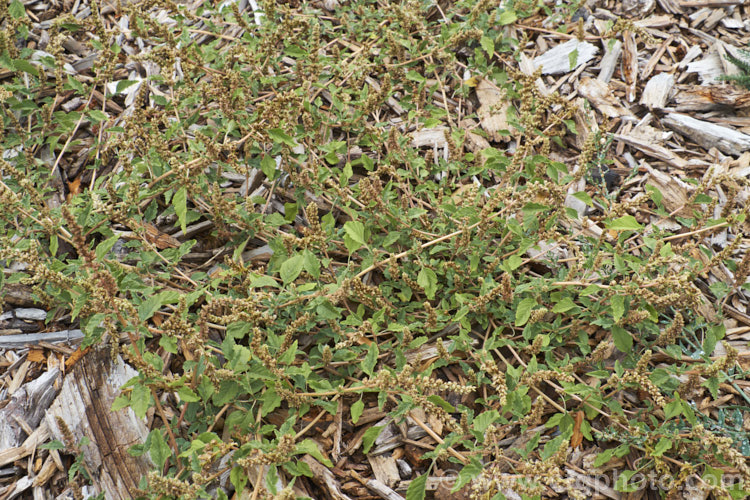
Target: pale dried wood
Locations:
point(708, 134)
point(630, 64)
point(651, 64)
point(657, 91)
point(526, 65)
point(384, 468)
point(709, 69)
point(49, 468)
point(610, 60)
point(19, 377)
point(382, 490)
point(653, 150)
point(602, 98)
point(674, 191)
point(392, 103)
point(558, 59)
point(432, 137)
point(22, 340)
point(492, 110)
point(594, 483)
point(28, 405)
point(324, 478)
point(84, 404)
point(39, 436)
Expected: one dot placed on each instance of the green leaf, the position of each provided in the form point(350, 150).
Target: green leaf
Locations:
point(140, 400)
point(264, 280)
point(271, 400)
point(625, 223)
point(427, 279)
point(186, 394)
point(312, 263)
point(445, 405)
point(159, 450)
point(623, 340)
point(624, 484)
point(53, 445)
point(488, 45)
point(179, 202)
point(148, 307)
point(618, 306)
point(507, 17)
point(268, 167)
point(76, 85)
point(308, 446)
point(356, 231)
point(566, 304)
point(238, 478)
point(573, 59)
point(124, 84)
point(512, 263)
point(523, 311)
point(25, 66)
point(663, 445)
point(368, 364)
point(484, 420)
point(104, 247)
point(369, 437)
point(97, 115)
point(357, 408)
point(16, 9)
point(603, 457)
point(469, 472)
point(584, 197)
point(416, 489)
point(279, 136)
point(291, 268)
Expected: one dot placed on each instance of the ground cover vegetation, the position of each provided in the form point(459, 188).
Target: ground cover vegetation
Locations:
point(452, 290)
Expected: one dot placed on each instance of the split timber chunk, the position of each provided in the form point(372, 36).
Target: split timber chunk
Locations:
point(561, 59)
point(27, 404)
point(657, 90)
point(493, 110)
point(84, 404)
point(709, 135)
point(601, 97)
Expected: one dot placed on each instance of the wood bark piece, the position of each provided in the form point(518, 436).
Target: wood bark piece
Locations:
point(84, 405)
point(382, 490)
point(324, 478)
point(28, 403)
point(601, 97)
point(39, 436)
point(709, 68)
point(18, 341)
point(561, 59)
point(709, 135)
point(385, 469)
point(657, 90)
point(493, 110)
point(609, 61)
point(653, 150)
point(674, 192)
point(594, 483)
point(630, 64)
point(712, 97)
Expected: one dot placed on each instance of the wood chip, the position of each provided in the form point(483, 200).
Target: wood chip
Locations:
point(492, 110)
point(565, 57)
point(658, 90)
point(708, 134)
point(84, 404)
point(602, 98)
